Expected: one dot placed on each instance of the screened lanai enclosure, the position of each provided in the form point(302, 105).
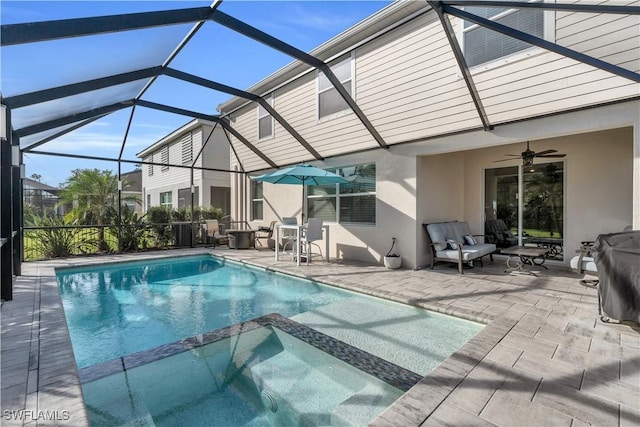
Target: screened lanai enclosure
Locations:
point(147, 64)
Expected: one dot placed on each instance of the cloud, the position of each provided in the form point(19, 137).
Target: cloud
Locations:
point(314, 19)
point(94, 140)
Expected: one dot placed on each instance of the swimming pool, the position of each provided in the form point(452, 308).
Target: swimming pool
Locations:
point(268, 371)
point(119, 309)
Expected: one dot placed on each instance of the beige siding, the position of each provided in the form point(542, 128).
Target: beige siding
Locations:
point(546, 82)
point(215, 155)
point(409, 85)
point(245, 123)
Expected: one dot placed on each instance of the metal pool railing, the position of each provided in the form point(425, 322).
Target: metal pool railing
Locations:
point(43, 242)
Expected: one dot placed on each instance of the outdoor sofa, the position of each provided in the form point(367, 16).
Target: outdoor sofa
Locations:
point(453, 242)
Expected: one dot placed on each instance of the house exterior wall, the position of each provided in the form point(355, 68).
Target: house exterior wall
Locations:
point(409, 86)
point(215, 155)
point(395, 209)
point(601, 183)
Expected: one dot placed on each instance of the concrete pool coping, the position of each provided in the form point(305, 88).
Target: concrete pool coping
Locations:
point(543, 357)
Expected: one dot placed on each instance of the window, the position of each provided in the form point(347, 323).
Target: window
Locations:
point(150, 167)
point(530, 201)
point(256, 200)
point(482, 45)
point(187, 148)
point(148, 201)
point(165, 200)
point(221, 198)
point(164, 158)
point(265, 121)
point(129, 205)
point(329, 100)
point(346, 203)
point(184, 197)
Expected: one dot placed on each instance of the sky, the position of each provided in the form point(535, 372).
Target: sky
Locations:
point(215, 53)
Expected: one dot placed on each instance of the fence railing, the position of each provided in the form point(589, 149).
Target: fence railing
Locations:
point(61, 241)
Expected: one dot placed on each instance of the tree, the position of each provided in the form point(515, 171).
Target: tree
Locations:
point(36, 177)
point(93, 194)
point(544, 203)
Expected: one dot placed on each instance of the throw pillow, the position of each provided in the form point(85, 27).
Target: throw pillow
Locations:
point(471, 241)
point(452, 244)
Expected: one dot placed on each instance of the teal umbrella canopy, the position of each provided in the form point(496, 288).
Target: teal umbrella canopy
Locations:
point(301, 175)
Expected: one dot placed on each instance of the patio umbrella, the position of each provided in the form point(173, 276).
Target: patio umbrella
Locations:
point(302, 175)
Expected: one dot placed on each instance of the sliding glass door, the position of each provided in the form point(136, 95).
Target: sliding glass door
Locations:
point(525, 205)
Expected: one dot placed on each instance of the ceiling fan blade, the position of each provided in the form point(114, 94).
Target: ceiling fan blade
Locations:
point(503, 160)
point(514, 155)
point(551, 155)
point(542, 153)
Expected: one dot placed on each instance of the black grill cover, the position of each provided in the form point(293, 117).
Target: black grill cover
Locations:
point(617, 258)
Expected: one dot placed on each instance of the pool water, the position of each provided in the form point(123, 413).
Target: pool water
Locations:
point(119, 309)
point(253, 379)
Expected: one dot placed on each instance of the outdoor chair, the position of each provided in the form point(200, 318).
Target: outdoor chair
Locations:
point(288, 237)
point(498, 233)
point(266, 233)
point(312, 233)
point(452, 241)
point(583, 263)
point(214, 235)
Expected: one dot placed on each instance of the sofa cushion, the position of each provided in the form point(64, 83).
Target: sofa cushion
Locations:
point(439, 232)
point(452, 244)
point(588, 264)
point(470, 240)
point(468, 252)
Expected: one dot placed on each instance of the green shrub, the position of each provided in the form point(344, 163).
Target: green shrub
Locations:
point(158, 218)
point(133, 230)
point(56, 238)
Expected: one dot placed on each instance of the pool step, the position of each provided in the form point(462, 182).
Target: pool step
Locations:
point(360, 408)
point(289, 385)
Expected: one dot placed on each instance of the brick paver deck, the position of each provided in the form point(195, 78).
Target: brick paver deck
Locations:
point(544, 357)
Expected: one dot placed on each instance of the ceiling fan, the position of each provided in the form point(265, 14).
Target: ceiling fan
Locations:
point(528, 155)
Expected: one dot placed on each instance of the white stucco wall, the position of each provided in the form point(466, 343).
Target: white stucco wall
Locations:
point(442, 179)
point(601, 182)
point(395, 209)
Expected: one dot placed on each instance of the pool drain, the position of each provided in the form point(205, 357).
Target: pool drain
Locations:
point(269, 401)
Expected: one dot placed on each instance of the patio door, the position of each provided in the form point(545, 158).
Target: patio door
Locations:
point(530, 202)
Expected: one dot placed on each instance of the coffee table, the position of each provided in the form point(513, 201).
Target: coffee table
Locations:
point(527, 255)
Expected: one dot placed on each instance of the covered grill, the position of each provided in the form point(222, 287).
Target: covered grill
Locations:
point(617, 258)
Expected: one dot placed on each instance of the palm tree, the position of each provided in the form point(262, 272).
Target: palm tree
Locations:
point(93, 194)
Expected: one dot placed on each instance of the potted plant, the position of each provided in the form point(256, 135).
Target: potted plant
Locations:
point(392, 260)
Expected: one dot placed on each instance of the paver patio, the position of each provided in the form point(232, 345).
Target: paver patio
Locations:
point(544, 357)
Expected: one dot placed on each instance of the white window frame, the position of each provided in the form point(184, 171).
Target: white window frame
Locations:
point(256, 199)
point(259, 109)
point(549, 35)
point(352, 58)
point(338, 196)
point(168, 204)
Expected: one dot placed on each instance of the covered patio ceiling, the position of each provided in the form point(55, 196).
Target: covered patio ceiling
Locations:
point(38, 115)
